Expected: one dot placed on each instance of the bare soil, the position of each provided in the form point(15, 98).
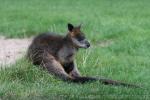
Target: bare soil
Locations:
point(12, 49)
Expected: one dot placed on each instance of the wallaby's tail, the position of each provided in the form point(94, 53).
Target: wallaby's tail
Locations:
point(104, 81)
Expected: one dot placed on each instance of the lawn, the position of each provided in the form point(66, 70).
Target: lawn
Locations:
point(119, 31)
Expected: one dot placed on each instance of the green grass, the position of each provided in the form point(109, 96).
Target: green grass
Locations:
point(127, 58)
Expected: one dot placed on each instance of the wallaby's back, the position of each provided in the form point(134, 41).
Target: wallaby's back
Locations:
point(44, 42)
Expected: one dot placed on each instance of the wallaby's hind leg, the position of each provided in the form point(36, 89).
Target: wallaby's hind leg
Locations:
point(54, 67)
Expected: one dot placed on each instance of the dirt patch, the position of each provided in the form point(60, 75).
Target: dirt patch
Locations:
point(12, 49)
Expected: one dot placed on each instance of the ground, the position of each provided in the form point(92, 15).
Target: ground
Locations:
point(12, 49)
point(119, 31)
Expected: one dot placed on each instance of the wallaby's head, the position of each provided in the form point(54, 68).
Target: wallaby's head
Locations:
point(77, 36)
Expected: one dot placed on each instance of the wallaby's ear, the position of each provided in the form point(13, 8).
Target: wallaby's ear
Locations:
point(70, 27)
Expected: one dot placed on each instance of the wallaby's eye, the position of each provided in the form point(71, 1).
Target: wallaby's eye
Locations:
point(80, 37)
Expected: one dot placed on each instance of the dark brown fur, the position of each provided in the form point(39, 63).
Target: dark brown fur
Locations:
point(56, 54)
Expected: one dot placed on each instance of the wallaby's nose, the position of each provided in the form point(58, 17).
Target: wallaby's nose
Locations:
point(87, 44)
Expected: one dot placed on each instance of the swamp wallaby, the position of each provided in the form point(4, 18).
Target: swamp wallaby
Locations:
point(56, 53)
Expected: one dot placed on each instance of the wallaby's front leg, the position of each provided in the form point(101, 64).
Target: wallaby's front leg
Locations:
point(74, 72)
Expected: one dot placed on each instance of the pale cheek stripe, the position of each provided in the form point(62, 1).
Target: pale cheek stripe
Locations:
point(78, 43)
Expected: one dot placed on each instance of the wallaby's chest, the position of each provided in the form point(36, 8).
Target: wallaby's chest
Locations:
point(66, 54)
